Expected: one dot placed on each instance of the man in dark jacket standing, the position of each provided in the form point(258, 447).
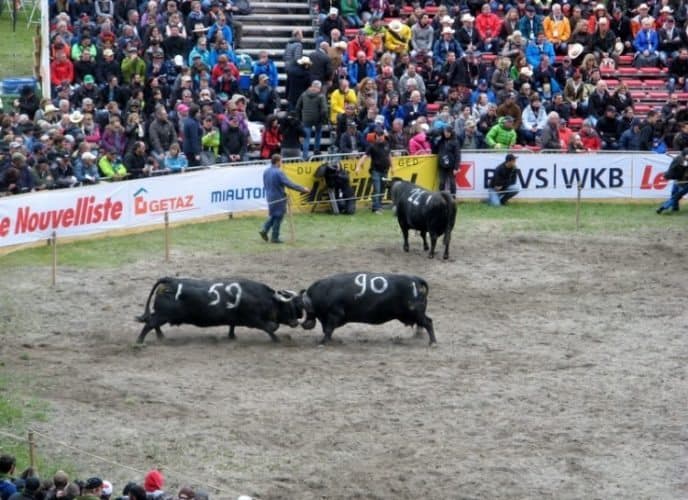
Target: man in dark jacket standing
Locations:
point(503, 184)
point(677, 172)
point(449, 159)
point(191, 132)
point(380, 163)
point(311, 110)
point(298, 80)
point(274, 182)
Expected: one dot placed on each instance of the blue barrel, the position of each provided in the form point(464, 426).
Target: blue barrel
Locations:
point(14, 85)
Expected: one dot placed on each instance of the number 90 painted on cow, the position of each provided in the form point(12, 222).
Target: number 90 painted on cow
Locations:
point(372, 298)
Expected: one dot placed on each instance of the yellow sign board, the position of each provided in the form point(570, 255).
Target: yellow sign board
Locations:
point(421, 170)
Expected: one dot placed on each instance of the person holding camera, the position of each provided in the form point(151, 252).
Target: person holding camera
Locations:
point(677, 172)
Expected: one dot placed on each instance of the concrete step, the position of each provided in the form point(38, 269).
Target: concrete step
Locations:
point(292, 20)
point(302, 8)
point(277, 30)
point(275, 46)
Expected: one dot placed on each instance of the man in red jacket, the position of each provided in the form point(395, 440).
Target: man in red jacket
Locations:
point(61, 69)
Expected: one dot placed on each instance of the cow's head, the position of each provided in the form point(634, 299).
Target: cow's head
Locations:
point(394, 185)
point(290, 310)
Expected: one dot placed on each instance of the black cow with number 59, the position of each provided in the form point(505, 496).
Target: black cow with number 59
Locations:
point(423, 210)
point(363, 297)
point(231, 302)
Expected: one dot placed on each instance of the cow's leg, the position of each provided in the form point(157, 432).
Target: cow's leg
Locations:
point(153, 323)
point(425, 240)
point(447, 240)
point(231, 333)
point(270, 328)
point(433, 243)
point(328, 327)
point(426, 323)
point(144, 331)
point(404, 232)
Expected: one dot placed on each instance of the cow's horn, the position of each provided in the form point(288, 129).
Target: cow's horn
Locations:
point(279, 295)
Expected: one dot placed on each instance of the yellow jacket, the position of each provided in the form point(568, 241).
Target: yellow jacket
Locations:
point(556, 31)
point(398, 42)
point(337, 102)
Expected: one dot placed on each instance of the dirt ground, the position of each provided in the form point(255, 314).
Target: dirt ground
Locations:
point(560, 373)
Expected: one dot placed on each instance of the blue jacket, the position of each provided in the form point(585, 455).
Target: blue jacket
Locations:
point(274, 182)
point(266, 69)
point(354, 77)
point(191, 131)
point(407, 114)
point(643, 42)
point(533, 53)
point(440, 49)
point(226, 32)
point(7, 488)
point(525, 28)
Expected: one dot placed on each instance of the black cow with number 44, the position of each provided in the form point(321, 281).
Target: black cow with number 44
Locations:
point(362, 297)
point(231, 302)
point(423, 210)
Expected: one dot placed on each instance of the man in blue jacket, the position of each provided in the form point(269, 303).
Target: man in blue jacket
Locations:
point(274, 182)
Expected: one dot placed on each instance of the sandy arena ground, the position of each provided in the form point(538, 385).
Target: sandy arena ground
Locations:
point(560, 373)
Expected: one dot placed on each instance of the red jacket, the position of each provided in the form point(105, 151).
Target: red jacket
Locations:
point(61, 72)
point(488, 25)
point(218, 70)
point(272, 140)
point(366, 47)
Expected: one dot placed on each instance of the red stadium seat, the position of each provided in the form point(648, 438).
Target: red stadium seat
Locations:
point(611, 83)
point(575, 123)
point(658, 96)
point(682, 96)
point(626, 59)
point(642, 108)
point(627, 71)
point(638, 94)
point(351, 32)
point(631, 83)
point(488, 58)
point(650, 71)
point(430, 10)
point(657, 84)
point(433, 107)
point(407, 9)
point(606, 70)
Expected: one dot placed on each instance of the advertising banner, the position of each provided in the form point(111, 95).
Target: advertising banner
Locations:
point(421, 170)
point(119, 205)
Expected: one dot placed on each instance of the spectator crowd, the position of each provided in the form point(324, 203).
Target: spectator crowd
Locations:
point(143, 88)
point(29, 486)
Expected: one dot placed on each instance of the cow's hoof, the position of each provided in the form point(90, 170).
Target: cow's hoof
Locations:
point(309, 324)
point(445, 257)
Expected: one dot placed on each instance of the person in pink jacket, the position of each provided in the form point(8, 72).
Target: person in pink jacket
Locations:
point(419, 143)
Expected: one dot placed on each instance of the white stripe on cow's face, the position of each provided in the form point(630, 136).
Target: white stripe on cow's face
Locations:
point(179, 292)
point(415, 289)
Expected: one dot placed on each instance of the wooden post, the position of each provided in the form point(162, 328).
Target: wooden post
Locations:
point(53, 240)
point(292, 230)
point(32, 449)
point(167, 237)
point(578, 203)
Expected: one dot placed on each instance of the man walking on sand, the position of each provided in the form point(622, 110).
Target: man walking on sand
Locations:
point(274, 182)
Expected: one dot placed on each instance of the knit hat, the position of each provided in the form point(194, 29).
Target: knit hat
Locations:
point(153, 481)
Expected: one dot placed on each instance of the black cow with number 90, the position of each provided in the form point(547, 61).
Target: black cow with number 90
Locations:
point(365, 297)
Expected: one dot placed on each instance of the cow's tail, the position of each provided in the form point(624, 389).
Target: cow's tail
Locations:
point(450, 206)
point(146, 313)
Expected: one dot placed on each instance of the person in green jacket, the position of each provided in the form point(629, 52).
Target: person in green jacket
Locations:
point(210, 141)
point(502, 134)
point(110, 167)
point(133, 65)
point(349, 11)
